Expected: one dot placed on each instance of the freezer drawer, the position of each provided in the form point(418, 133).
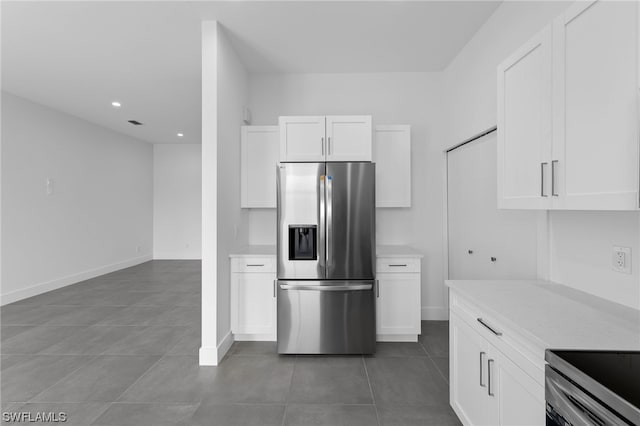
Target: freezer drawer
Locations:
point(326, 317)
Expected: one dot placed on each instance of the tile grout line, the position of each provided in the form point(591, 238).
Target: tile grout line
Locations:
point(91, 359)
point(433, 362)
point(373, 398)
point(139, 378)
point(286, 402)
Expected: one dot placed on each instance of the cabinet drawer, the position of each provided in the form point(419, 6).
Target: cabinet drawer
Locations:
point(253, 264)
point(507, 341)
point(397, 264)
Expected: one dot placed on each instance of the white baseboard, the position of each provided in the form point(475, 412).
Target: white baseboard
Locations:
point(40, 288)
point(396, 337)
point(254, 337)
point(435, 313)
point(225, 345)
point(210, 356)
point(177, 256)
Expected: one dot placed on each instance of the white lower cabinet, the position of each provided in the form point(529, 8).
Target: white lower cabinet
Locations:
point(487, 387)
point(253, 299)
point(398, 299)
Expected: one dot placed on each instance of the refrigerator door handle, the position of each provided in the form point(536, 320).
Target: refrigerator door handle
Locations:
point(321, 240)
point(326, 287)
point(329, 218)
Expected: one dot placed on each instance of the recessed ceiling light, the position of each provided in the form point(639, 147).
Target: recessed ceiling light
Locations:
point(180, 135)
point(116, 104)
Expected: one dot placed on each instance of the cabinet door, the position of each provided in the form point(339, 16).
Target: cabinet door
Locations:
point(596, 85)
point(253, 304)
point(516, 399)
point(398, 304)
point(524, 125)
point(302, 138)
point(468, 373)
point(348, 138)
point(259, 158)
point(392, 155)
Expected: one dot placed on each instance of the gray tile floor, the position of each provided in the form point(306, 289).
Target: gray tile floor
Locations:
point(121, 349)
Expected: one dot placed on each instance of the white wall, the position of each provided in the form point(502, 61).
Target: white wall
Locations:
point(177, 204)
point(99, 214)
point(224, 224)
point(391, 98)
point(580, 242)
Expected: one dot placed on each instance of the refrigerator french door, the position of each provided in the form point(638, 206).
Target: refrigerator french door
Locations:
point(326, 258)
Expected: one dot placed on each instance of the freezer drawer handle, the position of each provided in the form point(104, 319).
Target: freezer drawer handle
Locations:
point(326, 287)
point(497, 333)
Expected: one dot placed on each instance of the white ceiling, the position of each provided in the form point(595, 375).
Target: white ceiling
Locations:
point(79, 56)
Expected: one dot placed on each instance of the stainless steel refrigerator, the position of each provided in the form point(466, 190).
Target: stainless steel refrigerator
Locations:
point(326, 258)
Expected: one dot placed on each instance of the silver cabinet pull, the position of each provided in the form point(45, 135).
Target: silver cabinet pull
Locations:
point(399, 265)
point(255, 264)
point(542, 166)
point(553, 178)
point(322, 145)
point(489, 388)
point(377, 288)
point(274, 287)
point(482, 354)
point(497, 333)
point(329, 145)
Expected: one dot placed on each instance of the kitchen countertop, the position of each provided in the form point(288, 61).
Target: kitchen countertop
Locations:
point(270, 250)
point(555, 316)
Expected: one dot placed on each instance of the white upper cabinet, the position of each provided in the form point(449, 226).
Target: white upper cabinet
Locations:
point(392, 155)
point(320, 138)
point(589, 158)
point(302, 138)
point(259, 157)
point(524, 125)
point(348, 137)
point(595, 141)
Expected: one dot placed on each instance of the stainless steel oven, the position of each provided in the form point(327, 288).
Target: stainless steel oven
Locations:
point(592, 388)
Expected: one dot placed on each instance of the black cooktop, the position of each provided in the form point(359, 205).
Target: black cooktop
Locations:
point(618, 371)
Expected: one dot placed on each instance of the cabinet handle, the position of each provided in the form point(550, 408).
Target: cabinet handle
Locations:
point(497, 333)
point(377, 288)
point(322, 144)
point(489, 390)
point(482, 354)
point(274, 287)
point(403, 265)
point(329, 145)
point(553, 178)
point(542, 165)
point(255, 264)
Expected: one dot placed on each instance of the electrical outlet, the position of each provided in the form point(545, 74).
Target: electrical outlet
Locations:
point(621, 259)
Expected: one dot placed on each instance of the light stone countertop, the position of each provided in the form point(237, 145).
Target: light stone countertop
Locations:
point(553, 315)
point(270, 250)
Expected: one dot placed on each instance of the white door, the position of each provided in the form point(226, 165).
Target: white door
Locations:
point(349, 138)
point(259, 158)
point(468, 373)
point(475, 223)
point(253, 297)
point(398, 304)
point(596, 85)
point(302, 138)
point(517, 399)
point(524, 125)
point(392, 155)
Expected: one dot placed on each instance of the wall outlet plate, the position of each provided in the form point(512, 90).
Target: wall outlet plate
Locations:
point(621, 259)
